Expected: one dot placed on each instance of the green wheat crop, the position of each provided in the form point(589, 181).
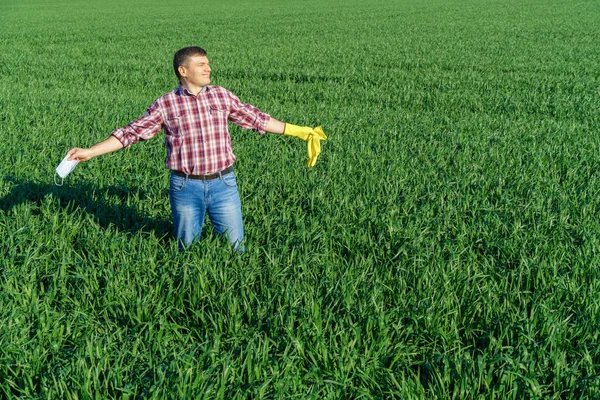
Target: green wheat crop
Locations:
point(446, 245)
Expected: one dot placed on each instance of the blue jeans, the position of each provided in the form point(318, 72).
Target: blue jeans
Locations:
point(191, 199)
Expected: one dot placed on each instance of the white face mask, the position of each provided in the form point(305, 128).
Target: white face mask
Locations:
point(64, 168)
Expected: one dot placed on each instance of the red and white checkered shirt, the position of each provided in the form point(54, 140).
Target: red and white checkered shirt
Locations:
point(196, 131)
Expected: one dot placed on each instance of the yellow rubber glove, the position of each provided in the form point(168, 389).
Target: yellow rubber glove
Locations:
point(314, 146)
point(312, 136)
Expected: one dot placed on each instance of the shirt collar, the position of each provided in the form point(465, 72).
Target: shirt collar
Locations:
point(182, 90)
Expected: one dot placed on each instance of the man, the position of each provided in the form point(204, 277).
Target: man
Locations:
point(194, 118)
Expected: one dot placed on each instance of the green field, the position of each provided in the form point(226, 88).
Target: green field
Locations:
point(446, 244)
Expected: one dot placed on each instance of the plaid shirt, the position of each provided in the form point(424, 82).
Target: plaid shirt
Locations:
point(196, 130)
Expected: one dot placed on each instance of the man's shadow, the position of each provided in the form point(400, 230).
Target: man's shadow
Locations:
point(108, 205)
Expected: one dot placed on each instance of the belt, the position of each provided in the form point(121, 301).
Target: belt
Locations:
point(206, 177)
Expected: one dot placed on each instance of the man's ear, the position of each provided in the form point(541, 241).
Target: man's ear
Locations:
point(182, 71)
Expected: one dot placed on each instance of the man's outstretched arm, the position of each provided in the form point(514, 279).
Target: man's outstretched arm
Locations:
point(107, 146)
point(143, 128)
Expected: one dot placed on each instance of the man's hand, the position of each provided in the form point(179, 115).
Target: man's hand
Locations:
point(303, 132)
point(312, 136)
point(80, 154)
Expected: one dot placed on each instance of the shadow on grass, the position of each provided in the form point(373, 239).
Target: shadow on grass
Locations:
point(111, 205)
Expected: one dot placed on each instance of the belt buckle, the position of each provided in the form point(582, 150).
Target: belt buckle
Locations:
point(209, 177)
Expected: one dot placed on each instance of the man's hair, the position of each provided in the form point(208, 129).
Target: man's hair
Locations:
point(182, 55)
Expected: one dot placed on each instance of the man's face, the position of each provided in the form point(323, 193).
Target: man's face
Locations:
point(195, 71)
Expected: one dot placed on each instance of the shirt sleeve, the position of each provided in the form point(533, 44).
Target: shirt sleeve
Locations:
point(246, 115)
point(143, 128)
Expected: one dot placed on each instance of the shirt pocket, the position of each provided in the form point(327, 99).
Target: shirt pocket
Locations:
point(218, 109)
point(218, 116)
point(216, 105)
point(175, 124)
